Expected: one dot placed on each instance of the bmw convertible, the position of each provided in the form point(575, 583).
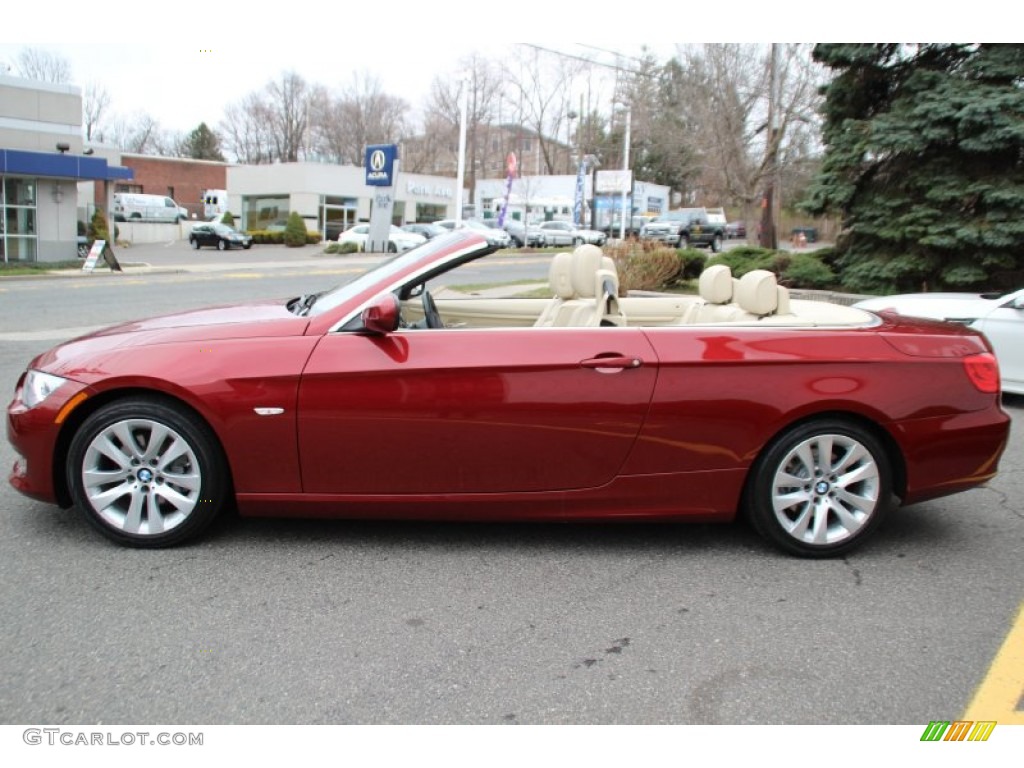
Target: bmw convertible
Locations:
point(405, 394)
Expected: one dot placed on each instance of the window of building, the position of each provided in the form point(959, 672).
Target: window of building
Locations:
point(265, 213)
point(18, 206)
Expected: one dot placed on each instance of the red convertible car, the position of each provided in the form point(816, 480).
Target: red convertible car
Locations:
point(401, 395)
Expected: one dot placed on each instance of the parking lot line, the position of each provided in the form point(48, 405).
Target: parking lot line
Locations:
point(1000, 696)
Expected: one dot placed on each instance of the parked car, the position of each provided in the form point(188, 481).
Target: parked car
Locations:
point(566, 233)
point(220, 236)
point(429, 231)
point(525, 235)
point(633, 227)
point(499, 238)
point(999, 316)
point(735, 229)
point(398, 239)
point(377, 399)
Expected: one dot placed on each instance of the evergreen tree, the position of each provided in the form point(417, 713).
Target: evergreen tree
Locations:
point(202, 144)
point(925, 162)
point(295, 231)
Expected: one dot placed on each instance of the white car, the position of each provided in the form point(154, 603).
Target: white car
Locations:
point(398, 240)
point(999, 316)
point(496, 237)
point(566, 233)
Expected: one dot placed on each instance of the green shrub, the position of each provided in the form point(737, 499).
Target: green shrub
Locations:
point(98, 227)
point(693, 262)
point(807, 270)
point(348, 247)
point(295, 235)
point(331, 248)
point(746, 259)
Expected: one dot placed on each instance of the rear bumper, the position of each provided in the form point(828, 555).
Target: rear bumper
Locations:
point(949, 454)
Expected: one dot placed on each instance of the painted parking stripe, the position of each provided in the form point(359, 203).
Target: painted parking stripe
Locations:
point(1000, 696)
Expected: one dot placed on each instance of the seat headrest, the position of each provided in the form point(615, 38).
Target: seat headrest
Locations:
point(560, 276)
point(758, 292)
point(587, 260)
point(715, 284)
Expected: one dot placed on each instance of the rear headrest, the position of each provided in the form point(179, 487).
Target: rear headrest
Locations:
point(586, 261)
point(560, 276)
point(715, 284)
point(758, 292)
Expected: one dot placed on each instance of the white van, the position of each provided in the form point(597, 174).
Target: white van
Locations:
point(129, 206)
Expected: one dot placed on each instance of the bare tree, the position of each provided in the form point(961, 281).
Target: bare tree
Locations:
point(287, 105)
point(246, 131)
point(542, 85)
point(139, 134)
point(725, 91)
point(362, 114)
point(95, 101)
point(37, 64)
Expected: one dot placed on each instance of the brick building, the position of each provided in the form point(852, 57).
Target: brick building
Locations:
point(180, 178)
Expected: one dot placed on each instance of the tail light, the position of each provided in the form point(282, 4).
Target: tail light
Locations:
point(983, 371)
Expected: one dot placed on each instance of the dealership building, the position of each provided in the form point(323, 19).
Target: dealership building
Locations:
point(42, 162)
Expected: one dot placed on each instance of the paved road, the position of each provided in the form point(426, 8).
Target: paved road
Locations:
point(266, 621)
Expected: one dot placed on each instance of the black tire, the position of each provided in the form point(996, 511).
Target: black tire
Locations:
point(83, 250)
point(577, 242)
point(684, 242)
point(194, 243)
point(247, 246)
point(716, 244)
point(815, 508)
point(221, 245)
point(392, 247)
point(121, 483)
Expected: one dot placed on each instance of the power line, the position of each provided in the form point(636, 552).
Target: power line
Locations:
point(594, 62)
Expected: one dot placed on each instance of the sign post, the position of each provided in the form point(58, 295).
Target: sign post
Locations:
point(381, 172)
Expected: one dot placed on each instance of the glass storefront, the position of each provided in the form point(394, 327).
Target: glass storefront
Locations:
point(265, 213)
point(18, 220)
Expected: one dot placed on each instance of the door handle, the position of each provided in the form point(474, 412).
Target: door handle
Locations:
point(612, 363)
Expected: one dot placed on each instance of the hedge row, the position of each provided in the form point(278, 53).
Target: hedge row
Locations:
point(263, 237)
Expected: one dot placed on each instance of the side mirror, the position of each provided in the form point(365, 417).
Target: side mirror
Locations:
point(381, 316)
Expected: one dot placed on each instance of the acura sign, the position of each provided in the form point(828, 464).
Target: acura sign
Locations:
point(380, 164)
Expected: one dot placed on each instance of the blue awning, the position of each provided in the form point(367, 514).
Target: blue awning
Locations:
point(48, 164)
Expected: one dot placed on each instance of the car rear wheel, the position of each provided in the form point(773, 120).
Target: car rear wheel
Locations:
point(147, 473)
point(683, 242)
point(194, 243)
point(716, 244)
point(820, 489)
point(392, 247)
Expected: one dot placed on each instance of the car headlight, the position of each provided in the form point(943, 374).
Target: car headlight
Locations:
point(38, 386)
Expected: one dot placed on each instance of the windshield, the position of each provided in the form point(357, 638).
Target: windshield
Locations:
point(380, 273)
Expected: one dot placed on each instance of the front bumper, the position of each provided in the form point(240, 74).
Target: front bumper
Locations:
point(34, 435)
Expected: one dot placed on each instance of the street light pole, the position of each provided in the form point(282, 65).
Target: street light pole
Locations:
point(461, 174)
point(625, 174)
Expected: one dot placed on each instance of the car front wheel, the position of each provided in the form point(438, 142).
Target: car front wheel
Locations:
point(716, 244)
point(683, 242)
point(147, 473)
point(194, 243)
point(221, 245)
point(820, 489)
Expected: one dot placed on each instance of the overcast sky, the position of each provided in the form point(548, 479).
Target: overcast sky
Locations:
point(182, 62)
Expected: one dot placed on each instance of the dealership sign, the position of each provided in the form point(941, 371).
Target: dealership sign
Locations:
point(380, 164)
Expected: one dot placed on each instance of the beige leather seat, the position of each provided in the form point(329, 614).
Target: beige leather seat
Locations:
point(562, 305)
point(716, 286)
point(759, 294)
point(586, 287)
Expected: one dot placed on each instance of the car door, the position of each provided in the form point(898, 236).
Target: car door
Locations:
point(1004, 327)
point(454, 411)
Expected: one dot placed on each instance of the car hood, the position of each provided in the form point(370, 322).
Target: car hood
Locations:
point(263, 319)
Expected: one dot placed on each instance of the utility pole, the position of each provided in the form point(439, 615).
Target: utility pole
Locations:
point(769, 235)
